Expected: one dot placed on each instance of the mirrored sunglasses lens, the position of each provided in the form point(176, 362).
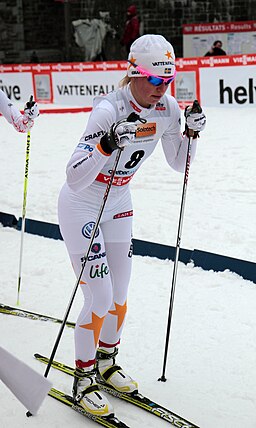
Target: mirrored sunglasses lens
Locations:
point(156, 81)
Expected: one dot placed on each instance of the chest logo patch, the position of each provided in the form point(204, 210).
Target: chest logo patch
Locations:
point(146, 129)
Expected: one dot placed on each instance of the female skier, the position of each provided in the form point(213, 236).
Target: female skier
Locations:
point(106, 275)
point(21, 122)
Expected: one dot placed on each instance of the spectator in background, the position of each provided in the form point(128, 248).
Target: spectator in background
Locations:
point(132, 28)
point(34, 58)
point(216, 49)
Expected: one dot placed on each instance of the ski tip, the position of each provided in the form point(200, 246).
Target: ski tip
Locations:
point(28, 414)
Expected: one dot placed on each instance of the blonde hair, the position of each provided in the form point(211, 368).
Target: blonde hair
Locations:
point(124, 81)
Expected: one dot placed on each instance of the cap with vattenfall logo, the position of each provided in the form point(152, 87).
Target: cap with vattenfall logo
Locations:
point(153, 53)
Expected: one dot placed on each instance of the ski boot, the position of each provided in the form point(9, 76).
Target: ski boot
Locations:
point(111, 374)
point(86, 392)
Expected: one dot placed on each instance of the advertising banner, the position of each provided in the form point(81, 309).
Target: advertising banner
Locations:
point(43, 87)
point(236, 37)
point(225, 86)
point(79, 88)
point(225, 81)
point(17, 86)
point(185, 87)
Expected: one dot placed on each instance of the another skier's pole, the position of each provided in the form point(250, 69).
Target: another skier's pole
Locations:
point(23, 219)
point(196, 109)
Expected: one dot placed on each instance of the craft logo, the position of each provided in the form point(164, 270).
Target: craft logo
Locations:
point(93, 136)
point(88, 228)
point(146, 129)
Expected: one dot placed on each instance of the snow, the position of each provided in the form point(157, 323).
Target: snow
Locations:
point(211, 368)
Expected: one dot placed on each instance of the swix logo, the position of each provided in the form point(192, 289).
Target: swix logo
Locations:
point(146, 129)
point(239, 95)
point(187, 169)
point(99, 271)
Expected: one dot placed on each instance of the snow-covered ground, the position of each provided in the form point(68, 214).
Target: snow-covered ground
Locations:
point(211, 362)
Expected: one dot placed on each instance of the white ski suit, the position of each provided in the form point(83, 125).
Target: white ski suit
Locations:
point(107, 272)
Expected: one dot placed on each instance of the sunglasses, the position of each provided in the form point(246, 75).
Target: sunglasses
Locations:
point(152, 78)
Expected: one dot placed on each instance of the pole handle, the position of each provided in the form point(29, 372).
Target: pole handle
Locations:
point(196, 108)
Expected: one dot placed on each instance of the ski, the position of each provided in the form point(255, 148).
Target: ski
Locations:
point(11, 310)
point(137, 399)
point(109, 422)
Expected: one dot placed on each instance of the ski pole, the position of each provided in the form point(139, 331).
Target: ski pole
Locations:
point(23, 219)
point(195, 109)
point(132, 118)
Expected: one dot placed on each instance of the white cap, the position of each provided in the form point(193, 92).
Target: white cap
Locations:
point(153, 53)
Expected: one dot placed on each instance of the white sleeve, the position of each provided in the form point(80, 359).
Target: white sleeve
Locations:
point(175, 145)
point(88, 158)
point(13, 115)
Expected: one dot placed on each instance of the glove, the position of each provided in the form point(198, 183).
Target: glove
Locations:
point(195, 119)
point(120, 135)
point(31, 110)
point(125, 133)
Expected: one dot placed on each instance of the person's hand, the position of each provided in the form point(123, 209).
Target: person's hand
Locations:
point(31, 110)
point(124, 133)
point(195, 118)
point(120, 135)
